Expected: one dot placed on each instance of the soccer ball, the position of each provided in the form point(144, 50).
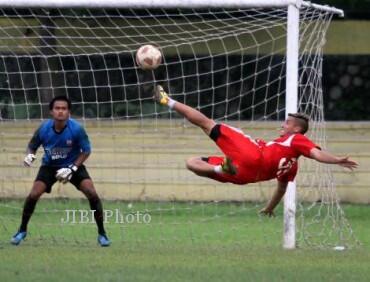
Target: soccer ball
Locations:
point(148, 57)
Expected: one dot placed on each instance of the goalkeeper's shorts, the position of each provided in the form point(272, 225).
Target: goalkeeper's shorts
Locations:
point(47, 174)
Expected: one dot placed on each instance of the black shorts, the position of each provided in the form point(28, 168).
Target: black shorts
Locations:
point(215, 132)
point(46, 174)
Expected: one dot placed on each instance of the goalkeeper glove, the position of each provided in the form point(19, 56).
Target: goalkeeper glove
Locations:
point(28, 160)
point(65, 174)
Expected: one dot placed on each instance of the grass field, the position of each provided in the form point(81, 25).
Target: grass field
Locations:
point(183, 241)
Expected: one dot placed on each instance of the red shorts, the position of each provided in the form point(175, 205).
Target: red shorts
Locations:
point(241, 149)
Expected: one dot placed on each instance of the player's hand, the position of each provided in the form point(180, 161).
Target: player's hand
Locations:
point(268, 212)
point(65, 174)
point(29, 159)
point(347, 163)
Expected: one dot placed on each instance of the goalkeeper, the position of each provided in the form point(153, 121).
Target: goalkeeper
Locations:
point(247, 160)
point(66, 147)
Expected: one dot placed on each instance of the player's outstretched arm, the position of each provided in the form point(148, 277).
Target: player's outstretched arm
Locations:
point(276, 198)
point(328, 158)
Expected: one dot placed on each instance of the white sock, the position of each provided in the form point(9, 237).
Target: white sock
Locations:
point(217, 169)
point(171, 103)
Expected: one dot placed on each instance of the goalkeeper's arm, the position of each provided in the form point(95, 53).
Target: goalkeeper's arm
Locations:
point(32, 147)
point(65, 174)
point(81, 158)
point(29, 158)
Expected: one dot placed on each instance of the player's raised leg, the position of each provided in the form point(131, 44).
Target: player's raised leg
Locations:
point(87, 188)
point(192, 115)
point(37, 190)
point(197, 164)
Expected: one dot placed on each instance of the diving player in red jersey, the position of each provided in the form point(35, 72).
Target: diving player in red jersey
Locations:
point(247, 160)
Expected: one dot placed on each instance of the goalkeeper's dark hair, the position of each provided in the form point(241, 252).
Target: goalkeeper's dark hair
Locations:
point(60, 98)
point(302, 120)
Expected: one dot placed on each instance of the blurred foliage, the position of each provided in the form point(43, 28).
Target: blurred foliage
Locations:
point(345, 4)
point(346, 86)
point(355, 9)
point(233, 86)
point(111, 86)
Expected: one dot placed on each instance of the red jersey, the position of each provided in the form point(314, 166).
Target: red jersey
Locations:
point(280, 156)
point(257, 160)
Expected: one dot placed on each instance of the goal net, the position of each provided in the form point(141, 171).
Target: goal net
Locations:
point(229, 63)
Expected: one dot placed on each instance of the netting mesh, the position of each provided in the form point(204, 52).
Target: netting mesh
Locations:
point(228, 63)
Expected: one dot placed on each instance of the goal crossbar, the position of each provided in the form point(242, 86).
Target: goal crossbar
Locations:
point(162, 4)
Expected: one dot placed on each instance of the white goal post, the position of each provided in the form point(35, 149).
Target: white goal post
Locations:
point(292, 53)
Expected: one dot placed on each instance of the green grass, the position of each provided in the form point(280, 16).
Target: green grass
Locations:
point(184, 241)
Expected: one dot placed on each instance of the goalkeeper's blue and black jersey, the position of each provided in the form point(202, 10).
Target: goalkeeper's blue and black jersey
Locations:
point(61, 149)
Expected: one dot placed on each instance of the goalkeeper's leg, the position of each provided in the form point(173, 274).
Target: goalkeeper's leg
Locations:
point(37, 190)
point(192, 115)
point(87, 188)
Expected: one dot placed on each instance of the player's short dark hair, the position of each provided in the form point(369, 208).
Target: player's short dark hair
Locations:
point(60, 98)
point(302, 120)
